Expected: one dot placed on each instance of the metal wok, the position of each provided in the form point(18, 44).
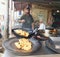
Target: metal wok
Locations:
point(24, 29)
point(9, 45)
point(33, 34)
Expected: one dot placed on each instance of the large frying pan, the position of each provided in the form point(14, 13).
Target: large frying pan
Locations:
point(24, 29)
point(9, 45)
point(31, 34)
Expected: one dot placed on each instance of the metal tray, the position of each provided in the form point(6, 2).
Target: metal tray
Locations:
point(54, 44)
point(9, 45)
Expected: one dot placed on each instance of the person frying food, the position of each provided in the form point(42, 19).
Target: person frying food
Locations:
point(27, 19)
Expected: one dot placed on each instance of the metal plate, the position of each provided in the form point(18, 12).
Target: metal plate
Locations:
point(54, 44)
point(9, 45)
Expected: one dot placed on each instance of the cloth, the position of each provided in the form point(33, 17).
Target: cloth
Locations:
point(28, 21)
point(42, 26)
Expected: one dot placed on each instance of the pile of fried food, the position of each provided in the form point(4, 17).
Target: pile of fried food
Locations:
point(22, 33)
point(24, 44)
point(54, 31)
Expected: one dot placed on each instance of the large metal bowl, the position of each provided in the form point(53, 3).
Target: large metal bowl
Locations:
point(9, 45)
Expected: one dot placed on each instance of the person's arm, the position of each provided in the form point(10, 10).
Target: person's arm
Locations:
point(32, 22)
point(32, 26)
point(21, 19)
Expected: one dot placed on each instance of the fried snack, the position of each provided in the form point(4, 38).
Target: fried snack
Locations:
point(18, 31)
point(17, 45)
point(27, 47)
point(25, 44)
point(22, 33)
point(26, 34)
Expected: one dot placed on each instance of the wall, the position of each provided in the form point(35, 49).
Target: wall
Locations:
point(39, 13)
point(3, 16)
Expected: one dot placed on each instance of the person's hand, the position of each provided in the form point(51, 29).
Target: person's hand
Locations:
point(38, 37)
point(23, 21)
